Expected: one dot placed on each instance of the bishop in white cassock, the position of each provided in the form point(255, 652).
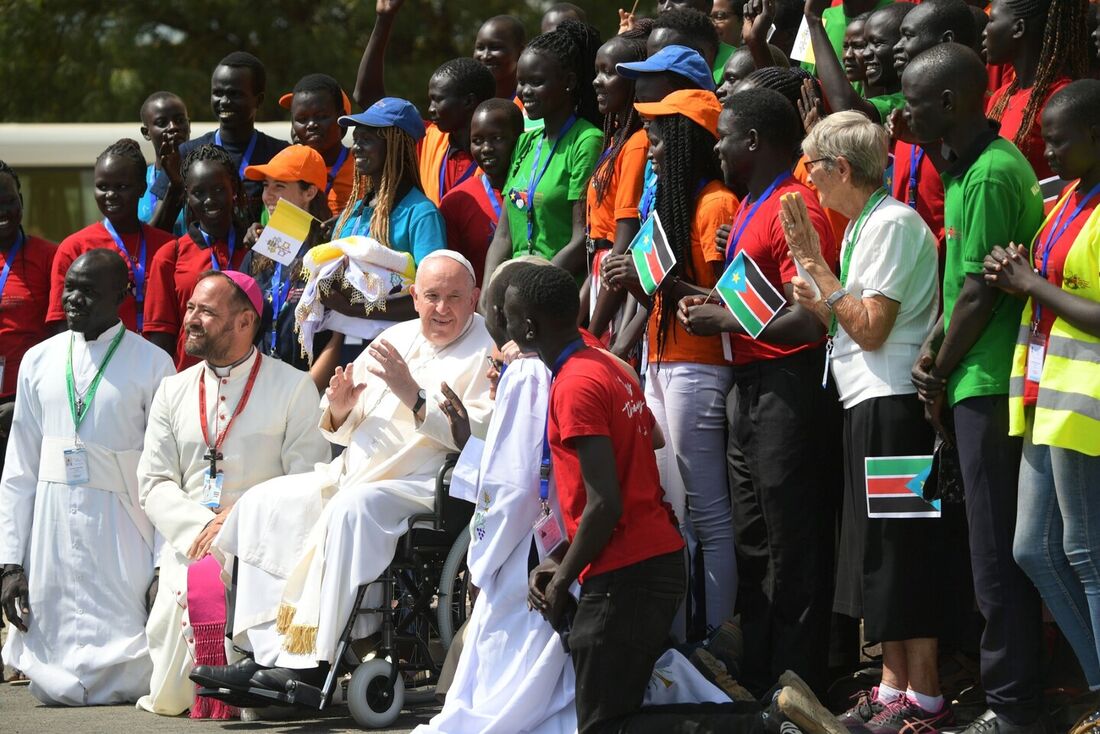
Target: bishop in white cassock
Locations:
point(275, 433)
point(79, 610)
point(303, 556)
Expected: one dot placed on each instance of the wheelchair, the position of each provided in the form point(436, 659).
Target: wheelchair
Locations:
point(425, 599)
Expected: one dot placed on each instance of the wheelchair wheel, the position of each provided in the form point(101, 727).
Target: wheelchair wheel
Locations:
point(373, 702)
point(454, 590)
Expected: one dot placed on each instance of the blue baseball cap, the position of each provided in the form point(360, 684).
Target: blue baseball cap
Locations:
point(687, 62)
point(389, 112)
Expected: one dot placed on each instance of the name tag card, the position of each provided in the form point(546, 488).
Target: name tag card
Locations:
point(76, 465)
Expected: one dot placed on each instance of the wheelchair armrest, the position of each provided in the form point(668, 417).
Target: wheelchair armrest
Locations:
point(442, 483)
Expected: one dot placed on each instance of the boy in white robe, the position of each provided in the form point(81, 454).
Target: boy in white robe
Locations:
point(275, 433)
point(76, 548)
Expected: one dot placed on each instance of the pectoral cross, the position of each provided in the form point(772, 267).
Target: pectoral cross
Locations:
point(213, 456)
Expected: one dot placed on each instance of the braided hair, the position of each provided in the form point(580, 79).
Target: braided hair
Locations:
point(402, 165)
point(619, 126)
point(219, 155)
point(127, 149)
point(787, 82)
point(574, 45)
point(1065, 51)
point(5, 168)
point(689, 148)
point(471, 76)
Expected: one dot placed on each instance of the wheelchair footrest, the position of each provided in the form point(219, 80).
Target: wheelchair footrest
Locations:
point(252, 698)
point(303, 694)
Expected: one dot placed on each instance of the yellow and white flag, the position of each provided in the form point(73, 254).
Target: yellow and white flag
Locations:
point(284, 234)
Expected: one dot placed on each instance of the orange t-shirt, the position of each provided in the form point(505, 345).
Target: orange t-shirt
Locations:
point(837, 221)
point(433, 156)
point(341, 184)
point(714, 206)
point(624, 190)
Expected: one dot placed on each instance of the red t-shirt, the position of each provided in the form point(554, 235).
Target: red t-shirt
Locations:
point(1013, 116)
point(435, 151)
point(23, 305)
point(471, 220)
point(591, 396)
point(1055, 263)
point(172, 278)
point(929, 188)
point(95, 236)
point(763, 240)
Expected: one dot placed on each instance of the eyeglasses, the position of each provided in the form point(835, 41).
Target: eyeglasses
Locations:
point(817, 160)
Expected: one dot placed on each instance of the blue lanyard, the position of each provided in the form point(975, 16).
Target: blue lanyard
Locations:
point(336, 168)
point(231, 241)
point(279, 292)
point(138, 266)
point(544, 472)
point(649, 196)
point(1056, 231)
point(443, 172)
point(247, 157)
point(536, 175)
point(491, 195)
point(744, 218)
point(916, 155)
point(9, 259)
point(357, 226)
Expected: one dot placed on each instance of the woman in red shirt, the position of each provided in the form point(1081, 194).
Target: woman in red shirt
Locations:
point(214, 241)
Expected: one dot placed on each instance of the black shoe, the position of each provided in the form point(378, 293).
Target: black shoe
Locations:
point(990, 723)
point(235, 676)
point(276, 679)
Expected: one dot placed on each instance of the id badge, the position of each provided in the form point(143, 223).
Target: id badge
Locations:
point(212, 489)
point(549, 535)
point(3, 360)
point(1036, 353)
point(76, 465)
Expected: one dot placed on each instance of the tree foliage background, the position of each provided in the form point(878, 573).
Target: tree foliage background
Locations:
point(94, 61)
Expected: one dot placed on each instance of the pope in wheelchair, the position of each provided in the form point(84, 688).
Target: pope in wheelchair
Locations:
point(305, 545)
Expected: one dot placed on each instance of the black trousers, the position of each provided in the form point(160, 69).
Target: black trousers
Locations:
point(786, 477)
point(1011, 642)
point(620, 629)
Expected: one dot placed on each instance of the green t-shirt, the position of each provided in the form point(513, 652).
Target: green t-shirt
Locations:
point(993, 202)
point(887, 103)
point(564, 182)
point(836, 23)
point(724, 52)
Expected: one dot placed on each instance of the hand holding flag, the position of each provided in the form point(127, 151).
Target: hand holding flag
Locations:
point(653, 258)
point(284, 234)
point(751, 297)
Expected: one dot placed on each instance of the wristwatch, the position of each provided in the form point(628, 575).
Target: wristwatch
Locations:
point(836, 296)
point(421, 398)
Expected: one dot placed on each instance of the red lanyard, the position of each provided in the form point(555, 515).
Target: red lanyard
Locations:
point(216, 447)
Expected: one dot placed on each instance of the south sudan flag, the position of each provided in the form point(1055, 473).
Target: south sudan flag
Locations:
point(652, 256)
point(751, 298)
point(895, 487)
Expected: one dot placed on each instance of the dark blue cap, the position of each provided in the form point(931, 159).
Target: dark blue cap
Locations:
point(687, 62)
point(389, 112)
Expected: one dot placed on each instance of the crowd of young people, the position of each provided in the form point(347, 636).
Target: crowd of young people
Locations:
point(911, 186)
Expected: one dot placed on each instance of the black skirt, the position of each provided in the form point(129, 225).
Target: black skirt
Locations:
point(887, 569)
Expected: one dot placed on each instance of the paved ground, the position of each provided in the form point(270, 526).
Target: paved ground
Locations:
point(20, 713)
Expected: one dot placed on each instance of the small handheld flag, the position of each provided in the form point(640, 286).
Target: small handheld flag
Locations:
point(895, 486)
point(750, 296)
point(284, 234)
point(653, 258)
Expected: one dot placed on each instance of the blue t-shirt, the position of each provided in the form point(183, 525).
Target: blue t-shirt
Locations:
point(148, 202)
point(416, 226)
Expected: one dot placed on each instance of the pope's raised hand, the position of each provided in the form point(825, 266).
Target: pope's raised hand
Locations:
point(342, 393)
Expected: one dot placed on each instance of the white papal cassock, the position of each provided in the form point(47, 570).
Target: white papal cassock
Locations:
point(303, 556)
point(88, 548)
point(275, 434)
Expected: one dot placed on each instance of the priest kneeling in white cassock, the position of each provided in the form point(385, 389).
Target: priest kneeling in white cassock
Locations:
point(217, 429)
point(302, 557)
point(76, 547)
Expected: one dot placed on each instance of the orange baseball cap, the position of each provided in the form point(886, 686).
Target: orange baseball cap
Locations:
point(698, 105)
point(294, 163)
point(287, 98)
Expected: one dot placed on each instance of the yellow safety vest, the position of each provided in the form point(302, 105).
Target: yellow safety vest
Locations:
point(1067, 410)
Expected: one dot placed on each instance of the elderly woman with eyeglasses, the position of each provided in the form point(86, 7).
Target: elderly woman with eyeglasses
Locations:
point(878, 312)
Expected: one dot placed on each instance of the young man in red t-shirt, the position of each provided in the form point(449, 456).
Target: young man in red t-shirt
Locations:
point(471, 210)
point(785, 427)
point(621, 539)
